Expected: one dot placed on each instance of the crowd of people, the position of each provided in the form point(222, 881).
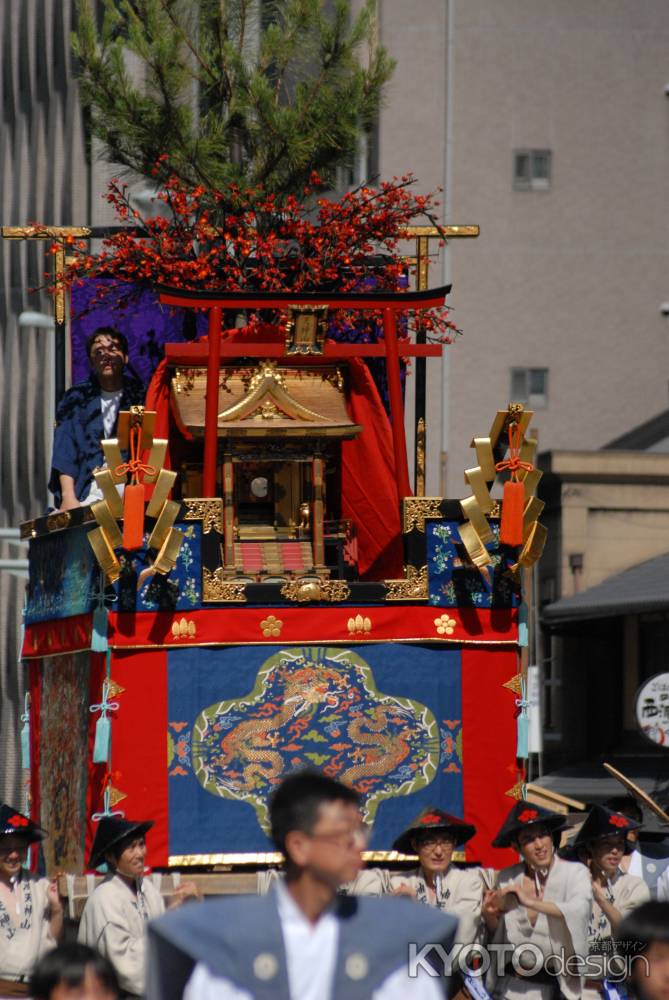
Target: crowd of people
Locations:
point(571, 922)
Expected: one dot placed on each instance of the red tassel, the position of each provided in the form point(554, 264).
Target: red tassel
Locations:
point(133, 516)
point(511, 528)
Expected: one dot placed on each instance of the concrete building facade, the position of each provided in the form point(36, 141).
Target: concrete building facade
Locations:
point(547, 123)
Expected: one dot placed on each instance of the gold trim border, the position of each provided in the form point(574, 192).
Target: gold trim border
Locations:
point(320, 641)
point(276, 858)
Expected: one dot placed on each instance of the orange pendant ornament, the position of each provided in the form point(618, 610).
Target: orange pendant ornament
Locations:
point(513, 504)
point(133, 497)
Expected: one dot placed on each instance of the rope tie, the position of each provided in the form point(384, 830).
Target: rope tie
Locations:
point(513, 463)
point(135, 465)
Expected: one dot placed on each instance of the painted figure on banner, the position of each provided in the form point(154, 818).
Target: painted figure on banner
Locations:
point(302, 941)
point(87, 414)
point(434, 835)
point(31, 914)
point(542, 906)
point(117, 911)
point(601, 844)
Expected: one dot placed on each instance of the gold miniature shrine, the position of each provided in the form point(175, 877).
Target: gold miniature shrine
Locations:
point(279, 426)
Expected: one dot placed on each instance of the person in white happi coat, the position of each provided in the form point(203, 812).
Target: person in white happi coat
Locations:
point(538, 914)
point(601, 844)
point(649, 855)
point(117, 911)
point(433, 836)
point(31, 914)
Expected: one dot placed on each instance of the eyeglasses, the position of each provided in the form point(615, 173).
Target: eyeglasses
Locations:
point(434, 839)
point(346, 838)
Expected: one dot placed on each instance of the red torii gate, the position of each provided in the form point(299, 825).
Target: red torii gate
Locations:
point(389, 303)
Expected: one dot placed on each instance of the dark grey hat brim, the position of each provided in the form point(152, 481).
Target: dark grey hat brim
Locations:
point(98, 854)
point(461, 834)
point(506, 838)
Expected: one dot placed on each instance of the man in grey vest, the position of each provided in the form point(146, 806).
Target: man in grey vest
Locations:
point(302, 941)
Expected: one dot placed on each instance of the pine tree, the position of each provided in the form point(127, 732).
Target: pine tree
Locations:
point(252, 92)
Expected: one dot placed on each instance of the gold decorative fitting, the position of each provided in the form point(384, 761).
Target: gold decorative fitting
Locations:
point(359, 625)
point(420, 458)
point(514, 684)
point(184, 379)
point(266, 370)
point(445, 625)
point(114, 689)
point(55, 522)
point(183, 629)
point(269, 411)
point(218, 590)
point(210, 512)
point(313, 589)
point(116, 796)
point(271, 627)
point(417, 510)
point(517, 792)
point(413, 588)
point(335, 378)
point(305, 329)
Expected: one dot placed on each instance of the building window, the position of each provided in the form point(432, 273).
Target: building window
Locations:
point(530, 387)
point(531, 169)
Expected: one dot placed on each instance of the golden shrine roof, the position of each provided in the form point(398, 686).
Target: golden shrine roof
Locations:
point(267, 400)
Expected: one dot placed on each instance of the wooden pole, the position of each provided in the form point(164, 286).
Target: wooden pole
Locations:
point(211, 403)
point(396, 404)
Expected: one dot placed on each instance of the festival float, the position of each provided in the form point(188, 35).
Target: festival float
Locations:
point(273, 591)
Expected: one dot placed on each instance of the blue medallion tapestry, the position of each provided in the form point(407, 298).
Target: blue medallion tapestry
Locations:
point(384, 718)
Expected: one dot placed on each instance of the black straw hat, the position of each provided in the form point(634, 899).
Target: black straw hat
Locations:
point(13, 822)
point(110, 832)
point(523, 815)
point(432, 818)
point(603, 822)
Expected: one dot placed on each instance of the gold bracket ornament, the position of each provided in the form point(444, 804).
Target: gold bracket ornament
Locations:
point(308, 589)
point(417, 510)
point(479, 508)
point(107, 537)
point(413, 588)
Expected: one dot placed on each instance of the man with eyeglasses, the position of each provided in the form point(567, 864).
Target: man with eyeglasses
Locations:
point(302, 941)
point(86, 415)
point(433, 836)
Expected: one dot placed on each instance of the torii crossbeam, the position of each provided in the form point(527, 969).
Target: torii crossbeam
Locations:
point(389, 303)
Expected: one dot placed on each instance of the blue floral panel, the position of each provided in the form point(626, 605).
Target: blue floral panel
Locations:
point(179, 590)
point(455, 583)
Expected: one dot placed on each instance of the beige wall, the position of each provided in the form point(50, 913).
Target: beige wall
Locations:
point(614, 510)
point(571, 279)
